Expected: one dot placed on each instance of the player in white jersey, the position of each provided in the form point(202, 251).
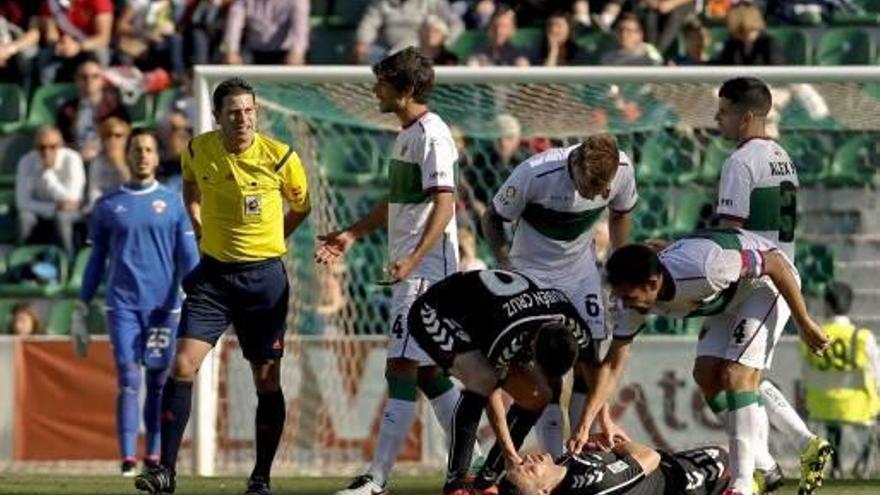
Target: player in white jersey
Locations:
point(758, 192)
point(422, 247)
point(734, 278)
point(555, 198)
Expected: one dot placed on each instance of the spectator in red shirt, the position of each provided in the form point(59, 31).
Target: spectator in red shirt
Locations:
point(72, 27)
point(19, 37)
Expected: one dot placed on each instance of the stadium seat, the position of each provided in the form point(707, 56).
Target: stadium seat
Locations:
point(140, 112)
point(12, 147)
point(855, 162)
point(77, 272)
point(687, 209)
point(872, 6)
point(845, 46)
point(6, 314)
point(60, 317)
point(8, 217)
point(668, 159)
point(530, 39)
point(815, 263)
point(716, 152)
point(22, 256)
point(331, 46)
point(46, 101)
point(594, 44)
point(13, 107)
point(795, 43)
point(809, 154)
point(651, 215)
point(350, 160)
point(346, 13)
point(466, 44)
point(162, 103)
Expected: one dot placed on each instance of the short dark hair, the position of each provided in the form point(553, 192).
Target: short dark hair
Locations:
point(632, 264)
point(500, 10)
point(231, 87)
point(628, 16)
point(141, 131)
point(749, 93)
point(407, 70)
point(555, 348)
point(87, 57)
point(838, 297)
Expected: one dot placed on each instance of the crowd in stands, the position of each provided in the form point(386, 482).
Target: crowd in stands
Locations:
point(115, 51)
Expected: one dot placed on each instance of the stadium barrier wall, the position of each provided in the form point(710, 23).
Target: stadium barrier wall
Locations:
point(54, 406)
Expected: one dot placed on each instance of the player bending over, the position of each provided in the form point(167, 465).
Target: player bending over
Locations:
point(478, 325)
point(630, 468)
point(736, 279)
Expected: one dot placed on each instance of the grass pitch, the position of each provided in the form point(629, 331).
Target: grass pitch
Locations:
point(105, 485)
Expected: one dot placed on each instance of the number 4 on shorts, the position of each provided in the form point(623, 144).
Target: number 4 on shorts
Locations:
point(739, 332)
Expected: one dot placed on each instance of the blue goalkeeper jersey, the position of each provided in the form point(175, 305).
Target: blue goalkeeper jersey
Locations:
point(146, 236)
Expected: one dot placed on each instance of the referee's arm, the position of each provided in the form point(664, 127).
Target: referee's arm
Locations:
point(293, 218)
point(192, 200)
point(295, 188)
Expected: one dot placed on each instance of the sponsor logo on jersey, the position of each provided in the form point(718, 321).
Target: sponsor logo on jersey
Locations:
point(781, 168)
point(120, 209)
point(159, 206)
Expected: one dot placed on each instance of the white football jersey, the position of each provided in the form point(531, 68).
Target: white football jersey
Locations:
point(423, 162)
point(711, 270)
point(553, 237)
point(759, 187)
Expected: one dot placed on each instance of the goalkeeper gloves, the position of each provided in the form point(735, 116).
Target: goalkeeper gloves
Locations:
point(79, 329)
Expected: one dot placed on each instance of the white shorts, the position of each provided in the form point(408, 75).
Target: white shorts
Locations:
point(747, 334)
point(400, 344)
point(586, 294)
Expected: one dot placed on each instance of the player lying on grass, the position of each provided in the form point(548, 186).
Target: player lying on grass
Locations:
point(629, 467)
point(480, 325)
point(735, 279)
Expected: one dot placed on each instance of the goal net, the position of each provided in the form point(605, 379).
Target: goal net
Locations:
point(662, 117)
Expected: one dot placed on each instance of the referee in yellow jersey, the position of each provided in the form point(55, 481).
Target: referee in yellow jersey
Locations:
point(235, 181)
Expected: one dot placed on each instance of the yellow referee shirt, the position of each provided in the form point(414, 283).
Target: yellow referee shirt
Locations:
point(242, 209)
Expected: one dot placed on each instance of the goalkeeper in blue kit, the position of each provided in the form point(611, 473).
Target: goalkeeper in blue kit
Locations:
point(142, 239)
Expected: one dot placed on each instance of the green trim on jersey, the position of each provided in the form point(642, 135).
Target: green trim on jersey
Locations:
point(725, 239)
point(405, 182)
point(560, 225)
point(764, 209)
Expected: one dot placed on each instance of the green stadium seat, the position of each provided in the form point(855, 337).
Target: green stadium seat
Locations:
point(815, 263)
point(871, 6)
point(13, 107)
point(12, 147)
point(331, 46)
point(6, 314)
point(140, 112)
point(795, 42)
point(8, 217)
point(24, 255)
point(855, 163)
point(60, 317)
point(162, 103)
point(350, 160)
point(719, 35)
point(468, 43)
point(687, 208)
point(347, 13)
point(77, 272)
point(845, 46)
point(652, 214)
point(529, 39)
point(46, 101)
point(714, 156)
point(668, 159)
point(809, 154)
point(594, 44)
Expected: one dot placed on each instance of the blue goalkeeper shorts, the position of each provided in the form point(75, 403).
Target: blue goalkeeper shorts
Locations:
point(143, 337)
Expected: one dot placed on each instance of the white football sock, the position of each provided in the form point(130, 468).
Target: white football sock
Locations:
point(783, 416)
point(576, 406)
point(742, 433)
point(396, 420)
point(763, 459)
point(549, 430)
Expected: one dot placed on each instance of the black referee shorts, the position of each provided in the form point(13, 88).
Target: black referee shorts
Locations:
point(251, 296)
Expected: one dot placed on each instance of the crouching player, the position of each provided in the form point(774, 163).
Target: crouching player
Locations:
point(481, 325)
point(629, 467)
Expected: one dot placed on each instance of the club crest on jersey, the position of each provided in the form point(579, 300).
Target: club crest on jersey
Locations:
point(159, 206)
point(253, 206)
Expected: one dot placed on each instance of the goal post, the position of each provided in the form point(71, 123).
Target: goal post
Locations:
point(663, 116)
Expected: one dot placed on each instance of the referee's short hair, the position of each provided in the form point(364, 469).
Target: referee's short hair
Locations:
point(231, 87)
point(748, 93)
point(407, 70)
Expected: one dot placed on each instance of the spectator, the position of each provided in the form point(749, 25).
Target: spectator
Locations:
point(559, 47)
point(501, 50)
point(663, 19)
point(203, 24)
point(476, 13)
point(432, 41)
point(749, 43)
point(467, 251)
point(598, 14)
point(49, 186)
point(488, 171)
point(78, 118)
point(109, 170)
point(697, 42)
point(24, 321)
point(147, 36)
point(71, 28)
point(19, 37)
point(273, 32)
point(631, 47)
point(174, 133)
point(388, 25)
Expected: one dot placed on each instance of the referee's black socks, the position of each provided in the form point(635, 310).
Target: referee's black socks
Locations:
point(271, 412)
point(176, 405)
